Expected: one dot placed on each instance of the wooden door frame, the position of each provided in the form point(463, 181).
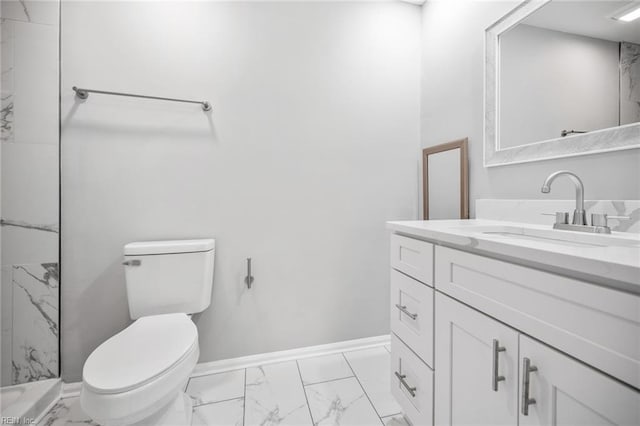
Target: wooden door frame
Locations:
point(463, 146)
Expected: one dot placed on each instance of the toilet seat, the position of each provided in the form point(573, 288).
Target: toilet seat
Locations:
point(140, 353)
point(140, 369)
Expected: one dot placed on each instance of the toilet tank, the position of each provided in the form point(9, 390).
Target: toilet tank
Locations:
point(169, 276)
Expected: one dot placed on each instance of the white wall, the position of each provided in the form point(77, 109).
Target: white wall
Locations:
point(552, 81)
point(452, 108)
point(311, 146)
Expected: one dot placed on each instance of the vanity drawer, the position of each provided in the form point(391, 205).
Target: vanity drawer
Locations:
point(412, 314)
point(413, 257)
point(411, 384)
point(597, 325)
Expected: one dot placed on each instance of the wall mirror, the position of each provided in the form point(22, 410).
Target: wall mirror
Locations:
point(445, 179)
point(562, 78)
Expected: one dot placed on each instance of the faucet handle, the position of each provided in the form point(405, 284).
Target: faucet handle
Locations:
point(561, 217)
point(602, 219)
point(599, 219)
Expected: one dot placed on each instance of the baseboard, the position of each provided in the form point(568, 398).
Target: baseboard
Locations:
point(73, 389)
point(70, 390)
point(213, 367)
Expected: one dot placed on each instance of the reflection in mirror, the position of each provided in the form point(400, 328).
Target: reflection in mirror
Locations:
point(568, 68)
point(562, 78)
point(445, 181)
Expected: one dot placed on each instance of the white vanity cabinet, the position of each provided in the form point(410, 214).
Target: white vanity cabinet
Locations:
point(481, 379)
point(476, 372)
point(470, 324)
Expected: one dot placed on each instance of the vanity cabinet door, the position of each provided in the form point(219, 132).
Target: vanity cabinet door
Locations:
point(564, 392)
point(476, 380)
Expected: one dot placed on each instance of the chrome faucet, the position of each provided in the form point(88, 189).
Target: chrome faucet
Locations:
point(599, 221)
point(579, 214)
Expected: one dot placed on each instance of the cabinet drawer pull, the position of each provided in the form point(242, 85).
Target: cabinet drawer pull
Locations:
point(401, 377)
point(496, 378)
point(527, 369)
point(134, 262)
point(403, 309)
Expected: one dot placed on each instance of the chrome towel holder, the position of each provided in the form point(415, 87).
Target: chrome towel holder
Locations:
point(84, 94)
point(248, 280)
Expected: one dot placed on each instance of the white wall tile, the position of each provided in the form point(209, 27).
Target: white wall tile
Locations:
point(6, 325)
point(30, 183)
point(35, 94)
point(38, 11)
point(35, 322)
point(22, 245)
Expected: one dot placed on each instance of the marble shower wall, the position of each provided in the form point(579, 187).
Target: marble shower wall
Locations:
point(629, 83)
point(29, 197)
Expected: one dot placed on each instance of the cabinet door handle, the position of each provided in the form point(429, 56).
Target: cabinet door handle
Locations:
point(402, 378)
point(527, 369)
point(495, 377)
point(403, 309)
point(134, 262)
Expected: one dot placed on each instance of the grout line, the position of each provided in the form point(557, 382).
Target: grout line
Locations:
point(216, 402)
point(244, 398)
point(362, 387)
point(304, 390)
point(327, 381)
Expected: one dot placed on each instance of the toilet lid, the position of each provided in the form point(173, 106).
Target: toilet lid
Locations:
point(140, 353)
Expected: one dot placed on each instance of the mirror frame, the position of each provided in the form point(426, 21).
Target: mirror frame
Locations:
point(463, 146)
point(597, 141)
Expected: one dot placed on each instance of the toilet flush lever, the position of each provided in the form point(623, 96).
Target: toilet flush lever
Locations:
point(248, 280)
point(134, 262)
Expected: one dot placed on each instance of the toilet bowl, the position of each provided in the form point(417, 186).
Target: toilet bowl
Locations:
point(142, 371)
point(138, 376)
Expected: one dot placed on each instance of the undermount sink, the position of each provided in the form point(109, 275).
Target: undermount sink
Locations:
point(553, 236)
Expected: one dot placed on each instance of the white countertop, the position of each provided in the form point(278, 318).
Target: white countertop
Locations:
point(615, 265)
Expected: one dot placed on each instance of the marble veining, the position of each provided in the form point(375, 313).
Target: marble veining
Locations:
point(35, 322)
point(340, 402)
point(67, 412)
point(22, 224)
point(29, 228)
point(629, 82)
point(25, 10)
point(6, 81)
point(225, 413)
point(537, 211)
point(274, 394)
point(370, 366)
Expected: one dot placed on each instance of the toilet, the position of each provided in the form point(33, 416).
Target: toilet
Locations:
point(138, 376)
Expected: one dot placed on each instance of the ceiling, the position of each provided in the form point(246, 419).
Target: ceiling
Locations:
point(587, 18)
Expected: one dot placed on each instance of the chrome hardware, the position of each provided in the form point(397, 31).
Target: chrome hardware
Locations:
point(602, 220)
point(579, 215)
point(401, 377)
point(134, 262)
point(494, 375)
point(403, 309)
point(566, 133)
point(527, 368)
point(248, 280)
point(84, 94)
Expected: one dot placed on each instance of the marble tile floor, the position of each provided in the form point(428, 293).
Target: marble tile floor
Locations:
point(350, 388)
